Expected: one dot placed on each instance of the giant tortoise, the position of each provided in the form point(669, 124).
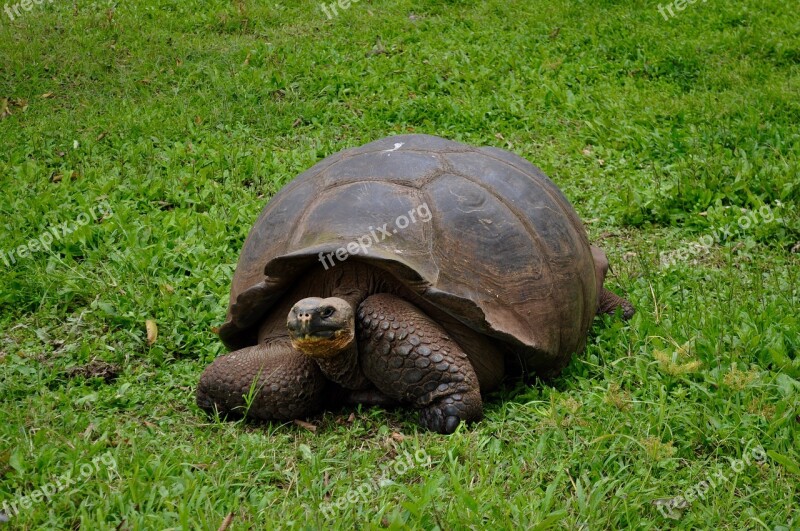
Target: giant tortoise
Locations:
point(412, 270)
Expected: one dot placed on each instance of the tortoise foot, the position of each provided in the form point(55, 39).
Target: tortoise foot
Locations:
point(446, 414)
point(610, 301)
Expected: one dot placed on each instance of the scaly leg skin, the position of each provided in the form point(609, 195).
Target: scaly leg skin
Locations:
point(411, 358)
point(284, 383)
point(608, 301)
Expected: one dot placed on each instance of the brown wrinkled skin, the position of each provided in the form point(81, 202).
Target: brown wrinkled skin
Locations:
point(283, 382)
point(500, 278)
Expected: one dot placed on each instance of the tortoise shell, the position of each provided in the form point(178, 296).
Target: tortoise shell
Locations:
point(502, 249)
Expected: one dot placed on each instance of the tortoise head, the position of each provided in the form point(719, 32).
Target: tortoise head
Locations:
point(321, 328)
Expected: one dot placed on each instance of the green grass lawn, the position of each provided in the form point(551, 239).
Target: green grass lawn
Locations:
point(146, 136)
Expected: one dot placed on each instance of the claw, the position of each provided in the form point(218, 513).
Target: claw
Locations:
point(451, 424)
point(434, 420)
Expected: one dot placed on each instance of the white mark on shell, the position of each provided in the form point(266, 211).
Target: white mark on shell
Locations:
point(397, 146)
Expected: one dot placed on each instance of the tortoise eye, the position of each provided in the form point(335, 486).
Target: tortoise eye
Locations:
point(327, 312)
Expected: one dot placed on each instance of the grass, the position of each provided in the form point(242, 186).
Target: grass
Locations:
point(184, 117)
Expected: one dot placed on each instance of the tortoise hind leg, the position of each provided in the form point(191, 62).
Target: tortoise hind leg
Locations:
point(608, 301)
point(412, 359)
point(283, 383)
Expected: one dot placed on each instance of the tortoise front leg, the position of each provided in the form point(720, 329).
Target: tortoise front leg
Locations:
point(283, 383)
point(412, 359)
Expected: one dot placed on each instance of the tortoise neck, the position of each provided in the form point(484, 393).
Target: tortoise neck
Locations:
point(353, 281)
point(344, 369)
